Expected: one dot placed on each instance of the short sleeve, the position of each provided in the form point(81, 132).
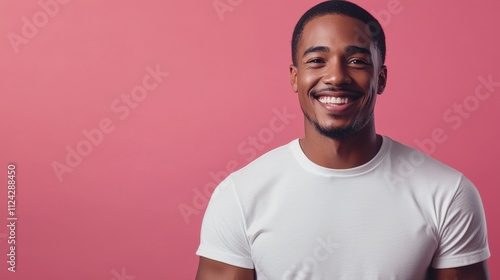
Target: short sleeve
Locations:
point(463, 234)
point(223, 230)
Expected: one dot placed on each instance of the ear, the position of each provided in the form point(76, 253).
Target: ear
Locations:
point(382, 79)
point(293, 77)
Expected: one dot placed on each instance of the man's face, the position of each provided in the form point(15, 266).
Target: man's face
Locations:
point(338, 75)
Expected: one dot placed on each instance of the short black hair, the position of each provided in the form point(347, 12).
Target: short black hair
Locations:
point(344, 8)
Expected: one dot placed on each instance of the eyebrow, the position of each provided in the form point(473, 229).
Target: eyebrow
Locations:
point(316, 49)
point(354, 49)
point(349, 50)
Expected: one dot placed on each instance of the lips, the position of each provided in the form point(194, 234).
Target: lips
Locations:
point(337, 103)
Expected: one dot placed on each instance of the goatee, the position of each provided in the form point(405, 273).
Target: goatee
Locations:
point(336, 133)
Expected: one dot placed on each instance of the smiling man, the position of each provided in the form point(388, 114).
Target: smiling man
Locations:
point(329, 205)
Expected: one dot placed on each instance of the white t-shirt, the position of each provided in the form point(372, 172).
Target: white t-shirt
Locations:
point(390, 218)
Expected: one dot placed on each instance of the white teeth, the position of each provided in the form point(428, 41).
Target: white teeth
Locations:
point(333, 100)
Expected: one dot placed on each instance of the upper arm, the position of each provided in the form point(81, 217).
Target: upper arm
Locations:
point(462, 233)
point(213, 270)
point(223, 231)
point(477, 271)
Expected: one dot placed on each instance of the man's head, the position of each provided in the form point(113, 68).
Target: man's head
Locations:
point(338, 51)
point(374, 29)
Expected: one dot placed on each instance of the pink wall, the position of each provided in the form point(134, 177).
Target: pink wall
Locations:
point(162, 98)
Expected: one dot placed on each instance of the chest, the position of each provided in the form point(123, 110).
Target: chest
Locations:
point(342, 234)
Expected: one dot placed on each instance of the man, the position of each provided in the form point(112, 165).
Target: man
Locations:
point(333, 205)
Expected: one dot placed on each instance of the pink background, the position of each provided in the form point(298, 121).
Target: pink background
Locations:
point(117, 214)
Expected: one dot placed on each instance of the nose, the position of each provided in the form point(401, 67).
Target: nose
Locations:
point(336, 74)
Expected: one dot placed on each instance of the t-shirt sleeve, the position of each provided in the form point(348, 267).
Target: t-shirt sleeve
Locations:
point(223, 230)
point(463, 235)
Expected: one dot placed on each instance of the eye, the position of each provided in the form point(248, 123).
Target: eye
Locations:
point(315, 61)
point(358, 61)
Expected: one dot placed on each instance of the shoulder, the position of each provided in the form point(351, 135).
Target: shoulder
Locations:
point(410, 163)
point(264, 173)
point(269, 163)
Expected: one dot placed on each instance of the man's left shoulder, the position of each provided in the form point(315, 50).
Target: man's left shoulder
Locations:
point(411, 163)
point(416, 157)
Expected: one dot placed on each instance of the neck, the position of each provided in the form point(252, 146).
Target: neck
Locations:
point(355, 150)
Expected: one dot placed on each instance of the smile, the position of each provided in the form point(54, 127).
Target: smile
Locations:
point(332, 100)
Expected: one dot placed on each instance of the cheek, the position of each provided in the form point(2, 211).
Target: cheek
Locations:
point(364, 80)
point(305, 101)
point(308, 80)
point(368, 104)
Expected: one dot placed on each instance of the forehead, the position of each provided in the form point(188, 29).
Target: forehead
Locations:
point(335, 29)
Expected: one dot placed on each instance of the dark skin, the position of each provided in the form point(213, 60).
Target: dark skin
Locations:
point(213, 270)
point(332, 64)
point(337, 79)
point(478, 271)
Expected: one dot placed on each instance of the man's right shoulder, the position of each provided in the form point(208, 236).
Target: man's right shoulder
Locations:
point(263, 171)
point(271, 160)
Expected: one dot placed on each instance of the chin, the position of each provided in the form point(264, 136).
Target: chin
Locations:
point(334, 132)
point(334, 129)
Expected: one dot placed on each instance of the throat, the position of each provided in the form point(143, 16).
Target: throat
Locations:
point(341, 154)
